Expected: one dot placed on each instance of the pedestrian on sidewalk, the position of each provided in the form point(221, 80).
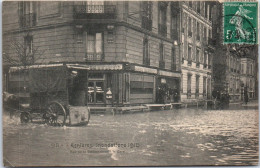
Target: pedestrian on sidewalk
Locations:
point(245, 96)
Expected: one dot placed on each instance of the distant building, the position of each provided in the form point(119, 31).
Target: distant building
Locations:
point(248, 76)
point(197, 49)
point(233, 66)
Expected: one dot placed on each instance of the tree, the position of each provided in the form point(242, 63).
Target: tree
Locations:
point(20, 53)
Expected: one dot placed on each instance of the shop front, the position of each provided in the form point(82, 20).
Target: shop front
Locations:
point(168, 87)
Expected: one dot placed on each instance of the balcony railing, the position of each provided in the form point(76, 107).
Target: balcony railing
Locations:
point(28, 20)
point(162, 30)
point(93, 56)
point(162, 64)
point(146, 23)
point(94, 11)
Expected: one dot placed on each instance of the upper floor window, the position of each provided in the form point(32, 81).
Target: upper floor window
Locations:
point(28, 44)
point(189, 53)
point(147, 15)
point(162, 19)
point(190, 4)
point(198, 31)
point(173, 64)
point(206, 10)
point(197, 55)
point(146, 59)
point(205, 33)
point(174, 27)
point(161, 61)
point(27, 13)
point(94, 46)
point(189, 26)
point(198, 7)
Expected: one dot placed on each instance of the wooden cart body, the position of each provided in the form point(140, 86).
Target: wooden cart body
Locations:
point(51, 92)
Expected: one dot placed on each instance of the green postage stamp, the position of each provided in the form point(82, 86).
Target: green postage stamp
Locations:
point(240, 22)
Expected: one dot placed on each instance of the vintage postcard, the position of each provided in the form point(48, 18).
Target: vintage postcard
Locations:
point(130, 83)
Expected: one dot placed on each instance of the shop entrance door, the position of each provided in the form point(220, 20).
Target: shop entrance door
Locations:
point(96, 93)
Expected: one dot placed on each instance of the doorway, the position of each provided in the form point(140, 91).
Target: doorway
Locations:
point(96, 93)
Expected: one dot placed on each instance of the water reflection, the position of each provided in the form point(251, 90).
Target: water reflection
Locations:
point(178, 137)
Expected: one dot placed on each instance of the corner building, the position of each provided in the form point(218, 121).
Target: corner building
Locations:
point(131, 47)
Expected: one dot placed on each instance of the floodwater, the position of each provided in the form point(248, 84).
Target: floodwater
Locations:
point(176, 137)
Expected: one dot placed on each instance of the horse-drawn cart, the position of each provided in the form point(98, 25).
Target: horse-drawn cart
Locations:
point(57, 94)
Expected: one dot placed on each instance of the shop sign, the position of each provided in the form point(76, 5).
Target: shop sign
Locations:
point(170, 74)
point(106, 67)
point(163, 80)
point(145, 69)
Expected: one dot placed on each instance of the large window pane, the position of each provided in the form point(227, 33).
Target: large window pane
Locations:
point(99, 42)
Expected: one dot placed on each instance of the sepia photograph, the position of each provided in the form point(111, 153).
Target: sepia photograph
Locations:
point(130, 83)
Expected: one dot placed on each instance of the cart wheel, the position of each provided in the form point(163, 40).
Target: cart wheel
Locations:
point(24, 117)
point(56, 114)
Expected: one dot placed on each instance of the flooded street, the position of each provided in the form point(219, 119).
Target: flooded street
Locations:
point(175, 137)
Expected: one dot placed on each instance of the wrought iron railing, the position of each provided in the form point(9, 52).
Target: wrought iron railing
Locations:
point(94, 56)
point(95, 11)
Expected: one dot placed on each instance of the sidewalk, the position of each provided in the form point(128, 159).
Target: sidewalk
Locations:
point(252, 103)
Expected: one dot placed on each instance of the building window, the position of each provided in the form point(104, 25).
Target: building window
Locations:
point(146, 59)
point(161, 61)
point(189, 27)
point(206, 10)
point(174, 65)
point(189, 54)
point(27, 13)
point(197, 57)
point(162, 19)
point(205, 59)
point(28, 43)
point(174, 25)
point(94, 46)
point(204, 87)
point(198, 7)
point(205, 34)
point(147, 7)
point(189, 86)
point(190, 4)
point(209, 61)
point(198, 31)
point(197, 86)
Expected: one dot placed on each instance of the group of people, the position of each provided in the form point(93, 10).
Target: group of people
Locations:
point(165, 94)
point(222, 99)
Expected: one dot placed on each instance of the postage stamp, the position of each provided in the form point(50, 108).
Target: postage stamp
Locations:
point(240, 22)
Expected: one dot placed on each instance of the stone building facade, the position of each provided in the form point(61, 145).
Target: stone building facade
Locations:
point(197, 50)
